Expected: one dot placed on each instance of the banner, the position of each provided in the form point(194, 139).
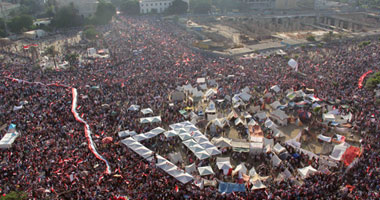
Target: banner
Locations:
point(87, 130)
point(361, 79)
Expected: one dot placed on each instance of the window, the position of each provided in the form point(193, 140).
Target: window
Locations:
point(165, 4)
point(160, 4)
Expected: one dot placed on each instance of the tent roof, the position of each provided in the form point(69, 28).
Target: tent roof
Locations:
point(146, 111)
point(306, 171)
point(278, 148)
point(204, 171)
point(213, 151)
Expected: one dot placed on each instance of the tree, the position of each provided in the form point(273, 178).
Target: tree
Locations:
point(15, 196)
point(130, 7)
point(200, 6)
point(21, 23)
point(72, 58)
point(52, 53)
point(67, 17)
point(104, 13)
point(3, 32)
point(373, 81)
point(178, 7)
point(90, 33)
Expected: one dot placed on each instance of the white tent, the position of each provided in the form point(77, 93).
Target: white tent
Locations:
point(211, 107)
point(201, 155)
point(184, 178)
point(261, 116)
point(207, 145)
point(190, 168)
point(134, 108)
point(157, 130)
point(270, 124)
point(126, 133)
point(240, 121)
point(269, 142)
point(221, 142)
point(252, 172)
point(147, 111)
point(280, 116)
point(204, 171)
point(201, 80)
point(306, 171)
point(213, 151)
point(241, 169)
point(275, 88)
point(257, 185)
point(275, 104)
point(200, 139)
point(293, 64)
point(221, 122)
point(155, 119)
point(184, 136)
point(328, 117)
point(170, 133)
point(256, 147)
point(128, 141)
point(8, 139)
point(210, 93)
point(189, 143)
point(140, 137)
point(196, 148)
point(245, 97)
point(252, 123)
point(338, 151)
point(324, 138)
point(278, 148)
point(275, 160)
point(224, 165)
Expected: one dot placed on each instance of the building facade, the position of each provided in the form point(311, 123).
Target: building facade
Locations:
point(86, 8)
point(158, 6)
point(271, 4)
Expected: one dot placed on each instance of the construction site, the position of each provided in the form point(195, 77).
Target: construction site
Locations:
point(245, 35)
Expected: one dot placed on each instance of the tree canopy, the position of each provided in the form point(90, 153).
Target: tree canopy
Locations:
point(20, 23)
point(67, 17)
point(200, 6)
point(104, 12)
point(130, 7)
point(178, 7)
point(90, 33)
point(373, 81)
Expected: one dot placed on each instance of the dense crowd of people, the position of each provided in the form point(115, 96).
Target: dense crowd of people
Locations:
point(149, 59)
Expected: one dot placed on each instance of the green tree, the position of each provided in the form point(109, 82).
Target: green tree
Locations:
point(200, 6)
point(72, 58)
point(52, 53)
point(104, 13)
point(130, 7)
point(90, 33)
point(178, 7)
point(15, 196)
point(373, 81)
point(67, 17)
point(226, 5)
point(20, 23)
point(3, 32)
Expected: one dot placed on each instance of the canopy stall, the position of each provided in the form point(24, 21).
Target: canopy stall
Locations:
point(204, 171)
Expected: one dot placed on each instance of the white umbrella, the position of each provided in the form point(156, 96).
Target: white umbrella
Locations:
point(196, 148)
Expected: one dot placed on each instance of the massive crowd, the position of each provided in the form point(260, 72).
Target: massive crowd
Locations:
point(149, 59)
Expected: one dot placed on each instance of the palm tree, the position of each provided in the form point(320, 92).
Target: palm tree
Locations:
point(52, 53)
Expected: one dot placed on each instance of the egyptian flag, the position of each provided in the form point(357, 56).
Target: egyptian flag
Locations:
point(176, 188)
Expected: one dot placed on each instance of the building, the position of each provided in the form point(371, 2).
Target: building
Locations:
point(158, 6)
point(86, 8)
point(6, 8)
point(271, 4)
